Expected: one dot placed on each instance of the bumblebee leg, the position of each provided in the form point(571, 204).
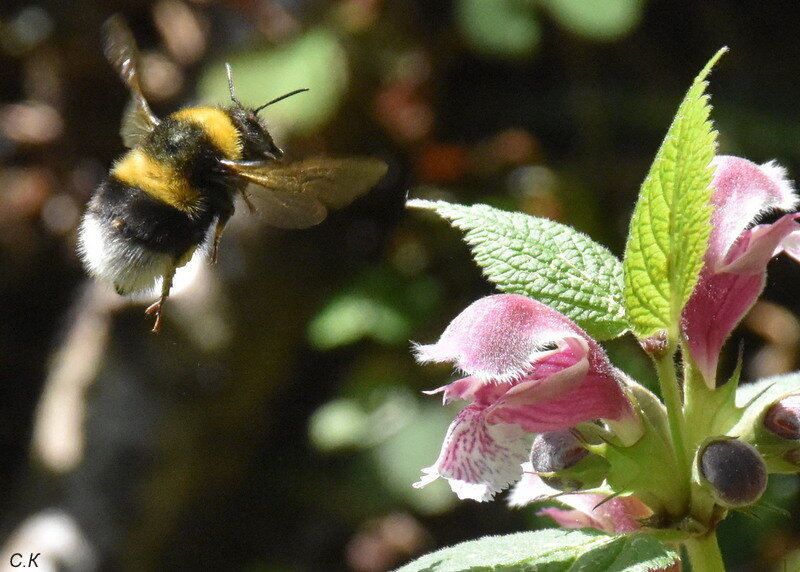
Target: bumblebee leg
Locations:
point(217, 236)
point(250, 206)
point(158, 307)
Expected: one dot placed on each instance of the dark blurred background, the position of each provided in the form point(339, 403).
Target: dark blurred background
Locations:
point(277, 423)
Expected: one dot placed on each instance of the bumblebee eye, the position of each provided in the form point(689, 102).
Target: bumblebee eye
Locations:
point(252, 124)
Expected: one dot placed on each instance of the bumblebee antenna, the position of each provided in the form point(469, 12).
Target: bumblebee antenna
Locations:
point(230, 84)
point(281, 98)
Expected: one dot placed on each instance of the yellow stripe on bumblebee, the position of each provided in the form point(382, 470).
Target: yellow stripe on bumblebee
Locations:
point(217, 125)
point(161, 181)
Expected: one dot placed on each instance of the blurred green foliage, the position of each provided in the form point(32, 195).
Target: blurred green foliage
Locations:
point(608, 20)
point(382, 305)
point(500, 27)
point(315, 60)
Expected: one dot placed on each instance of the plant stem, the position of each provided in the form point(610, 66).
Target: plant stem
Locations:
point(701, 405)
point(697, 396)
point(671, 392)
point(704, 553)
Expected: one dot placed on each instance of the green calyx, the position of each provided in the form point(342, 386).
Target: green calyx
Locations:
point(647, 468)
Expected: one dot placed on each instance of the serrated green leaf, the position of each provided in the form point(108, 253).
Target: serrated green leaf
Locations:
point(551, 550)
point(671, 222)
point(545, 260)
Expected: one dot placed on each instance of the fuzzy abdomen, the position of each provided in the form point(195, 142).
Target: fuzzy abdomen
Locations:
point(129, 238)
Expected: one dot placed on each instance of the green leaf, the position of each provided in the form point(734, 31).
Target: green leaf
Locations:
point(671, 222)
point(551, 550)
point(545, 260)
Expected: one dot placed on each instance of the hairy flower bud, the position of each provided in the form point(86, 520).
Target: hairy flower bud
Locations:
point(556, 451)
point(560, 459)
point(734, 470)
point(783, 418)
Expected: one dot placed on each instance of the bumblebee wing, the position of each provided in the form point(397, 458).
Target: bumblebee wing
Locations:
point(298, 195)
point(120, 49)
point(285, 210)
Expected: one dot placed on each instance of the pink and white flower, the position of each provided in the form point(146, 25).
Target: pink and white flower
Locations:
point(529, 370)
point(734, 272)
point(588, 510)
point(617, 515)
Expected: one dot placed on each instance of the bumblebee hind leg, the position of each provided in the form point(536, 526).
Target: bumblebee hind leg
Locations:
point(158, 307)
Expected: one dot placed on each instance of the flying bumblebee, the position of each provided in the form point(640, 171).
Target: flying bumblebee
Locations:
point(181, 175)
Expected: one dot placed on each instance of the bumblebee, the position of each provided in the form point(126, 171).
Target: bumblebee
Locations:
point(181, 176)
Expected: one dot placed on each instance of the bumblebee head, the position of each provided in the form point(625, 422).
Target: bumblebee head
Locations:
point(257, 143)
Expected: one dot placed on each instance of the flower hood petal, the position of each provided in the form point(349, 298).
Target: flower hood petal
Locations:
point(497, 337)
point(743, 191)
point(734, 272)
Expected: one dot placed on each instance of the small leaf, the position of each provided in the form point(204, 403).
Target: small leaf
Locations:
point(545, 260)
point(552, 549)
point(671, 222)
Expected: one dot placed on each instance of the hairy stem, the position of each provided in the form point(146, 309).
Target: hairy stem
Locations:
point(704, 553)
point(697, 398)
point(701, 405)
point(671, 393)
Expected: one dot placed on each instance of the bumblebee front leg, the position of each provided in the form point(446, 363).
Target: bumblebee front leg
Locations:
point(246, 198)
point(221, 222)
point(158, 307)
point(217, 237)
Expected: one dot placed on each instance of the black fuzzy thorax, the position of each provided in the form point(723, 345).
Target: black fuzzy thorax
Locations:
point(133, 215)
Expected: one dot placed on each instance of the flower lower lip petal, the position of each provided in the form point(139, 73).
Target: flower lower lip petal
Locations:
point(479, 460)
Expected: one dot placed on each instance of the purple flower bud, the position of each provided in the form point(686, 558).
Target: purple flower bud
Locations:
point(735, 470)
point(783, 418)
point(563, 463)
point(556, 451)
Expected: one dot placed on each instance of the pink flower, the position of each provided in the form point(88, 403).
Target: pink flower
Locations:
point(618, 515)
point(734, 272)
point(589, 510)
point(530, 370)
